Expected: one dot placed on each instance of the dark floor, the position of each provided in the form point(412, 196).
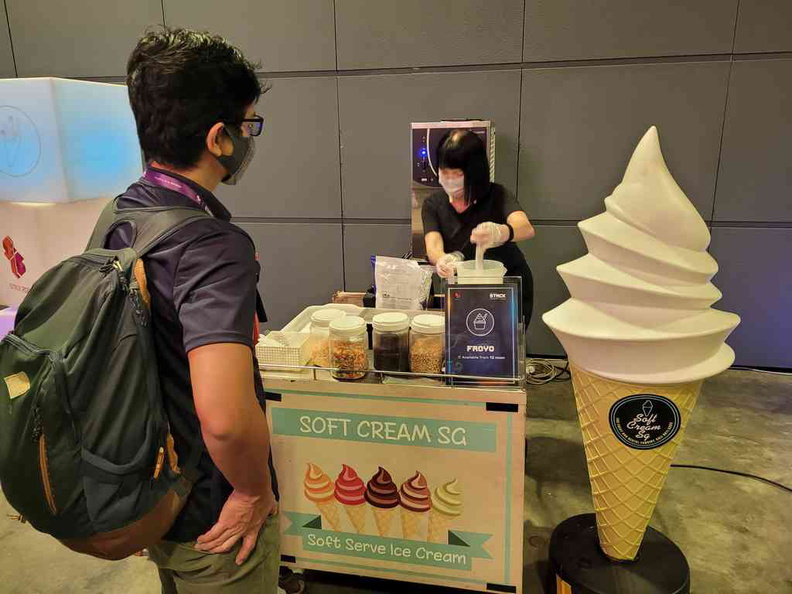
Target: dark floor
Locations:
point(734, 531)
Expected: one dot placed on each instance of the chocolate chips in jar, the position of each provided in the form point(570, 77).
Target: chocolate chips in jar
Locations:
point(391, 342)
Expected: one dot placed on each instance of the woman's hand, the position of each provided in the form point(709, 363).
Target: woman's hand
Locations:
point(446, 264)
point(489, 235)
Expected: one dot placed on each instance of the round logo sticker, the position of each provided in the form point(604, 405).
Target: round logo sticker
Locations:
point(20, 145)
point(644, 421)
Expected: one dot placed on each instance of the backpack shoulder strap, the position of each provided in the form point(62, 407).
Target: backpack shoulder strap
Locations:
point(150, 225)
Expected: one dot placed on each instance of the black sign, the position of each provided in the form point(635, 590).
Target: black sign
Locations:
point(645, 421)
point(482, 330)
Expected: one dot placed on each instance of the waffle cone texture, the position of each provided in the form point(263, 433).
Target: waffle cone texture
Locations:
point(625, 482)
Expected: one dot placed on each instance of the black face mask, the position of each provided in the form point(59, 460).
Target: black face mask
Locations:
point(237, 163)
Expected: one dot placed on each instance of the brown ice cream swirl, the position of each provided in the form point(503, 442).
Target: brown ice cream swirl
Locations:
point(381, 491)
point(415, 495)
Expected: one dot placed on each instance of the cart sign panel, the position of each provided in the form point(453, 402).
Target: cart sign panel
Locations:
point(408, 489)
point(482, 330)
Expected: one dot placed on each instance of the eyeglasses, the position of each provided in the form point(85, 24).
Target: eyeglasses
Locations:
point(253, 126)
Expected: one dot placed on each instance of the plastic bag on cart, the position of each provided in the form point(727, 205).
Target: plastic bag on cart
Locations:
point(401, 284)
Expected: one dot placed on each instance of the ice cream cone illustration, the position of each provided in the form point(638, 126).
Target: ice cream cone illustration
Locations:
point(416, 501)
point(383, 497)
point(641, 337)
point(446, 505)
point(350, 493)
point(319, 488)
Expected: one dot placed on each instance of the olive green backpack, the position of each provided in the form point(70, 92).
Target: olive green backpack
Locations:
point(85, 449)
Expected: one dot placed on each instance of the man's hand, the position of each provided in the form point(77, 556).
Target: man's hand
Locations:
point(242, 517)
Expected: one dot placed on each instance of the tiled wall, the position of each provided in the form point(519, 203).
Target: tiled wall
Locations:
point(570, 85)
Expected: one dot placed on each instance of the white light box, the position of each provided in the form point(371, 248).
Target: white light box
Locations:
point(65, 140)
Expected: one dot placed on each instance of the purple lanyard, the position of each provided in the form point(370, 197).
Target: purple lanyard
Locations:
point(166, 181)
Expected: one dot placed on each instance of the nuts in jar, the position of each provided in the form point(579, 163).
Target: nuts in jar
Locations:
point(427, 355)
point(351, 360)
point(427, 344)
point(349, 348)
point(320, 355)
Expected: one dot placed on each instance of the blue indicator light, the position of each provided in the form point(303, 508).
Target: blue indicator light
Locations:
point(423, 152)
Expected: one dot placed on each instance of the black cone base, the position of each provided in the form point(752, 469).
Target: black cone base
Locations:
point(578, 565)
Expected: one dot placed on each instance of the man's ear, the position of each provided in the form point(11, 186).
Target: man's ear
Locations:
point(217, 140)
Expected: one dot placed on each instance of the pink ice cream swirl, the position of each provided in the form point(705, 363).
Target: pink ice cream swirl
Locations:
point(349, 487)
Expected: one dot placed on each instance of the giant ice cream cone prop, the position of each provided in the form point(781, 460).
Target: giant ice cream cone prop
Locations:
point(641, 338)
point(416, 501)
point(383, 497)
point(320, 489)
point(350, 492)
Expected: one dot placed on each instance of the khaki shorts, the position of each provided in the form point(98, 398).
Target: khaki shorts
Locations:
point(184, 570)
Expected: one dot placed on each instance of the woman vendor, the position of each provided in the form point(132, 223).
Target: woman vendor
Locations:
point(474, 211)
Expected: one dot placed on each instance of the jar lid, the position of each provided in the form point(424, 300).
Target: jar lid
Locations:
point(391, 322)
point(348, 326)
point(323, 317)
point(429, 324)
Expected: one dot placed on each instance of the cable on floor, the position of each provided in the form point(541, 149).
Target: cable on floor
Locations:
point(541, 371)
point(735, 473)
point(740, 368)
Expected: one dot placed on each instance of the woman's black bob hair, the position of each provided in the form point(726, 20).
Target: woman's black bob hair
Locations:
point(463, 149)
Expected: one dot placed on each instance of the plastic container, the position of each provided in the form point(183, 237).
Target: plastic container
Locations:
point(320, 334)
point(391, 342)
point(427, 344)
point(283, 348)
point(491, 273)
point(348, 348)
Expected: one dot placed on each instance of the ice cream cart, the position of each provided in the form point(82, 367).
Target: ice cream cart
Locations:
point(403, 478)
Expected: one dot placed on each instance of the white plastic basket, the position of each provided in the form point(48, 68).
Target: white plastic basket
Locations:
point(283, 348)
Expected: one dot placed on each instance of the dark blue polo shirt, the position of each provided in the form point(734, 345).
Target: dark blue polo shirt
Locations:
point(202, 281)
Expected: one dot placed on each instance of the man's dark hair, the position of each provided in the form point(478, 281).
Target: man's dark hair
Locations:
point(463, 149)
point(181, 83)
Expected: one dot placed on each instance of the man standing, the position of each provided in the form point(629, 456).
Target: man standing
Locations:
point(193, 97)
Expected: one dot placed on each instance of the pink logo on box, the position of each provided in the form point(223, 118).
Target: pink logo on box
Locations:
point(12, 255)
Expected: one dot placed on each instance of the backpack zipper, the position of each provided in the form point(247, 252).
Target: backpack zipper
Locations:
point(38, 436)
point(45, 476)
point(134, 295)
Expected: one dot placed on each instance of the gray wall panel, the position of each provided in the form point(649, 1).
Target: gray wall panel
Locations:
point(553, 245)
point(376, 112)
point(419, 33)
point(574, 30)
point(363, 241)
point(295, 172)
point(6, 56)
point(580, 125)
point(300, 266)
point(757, 286)
point(281, 34)
point(755, 180)
point(764, 26)
point(82, 39)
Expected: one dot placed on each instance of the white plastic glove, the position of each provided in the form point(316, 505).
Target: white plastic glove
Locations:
point(488, 235)
point(446, 264)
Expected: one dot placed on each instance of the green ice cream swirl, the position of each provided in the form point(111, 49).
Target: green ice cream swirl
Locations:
point(448, 499)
